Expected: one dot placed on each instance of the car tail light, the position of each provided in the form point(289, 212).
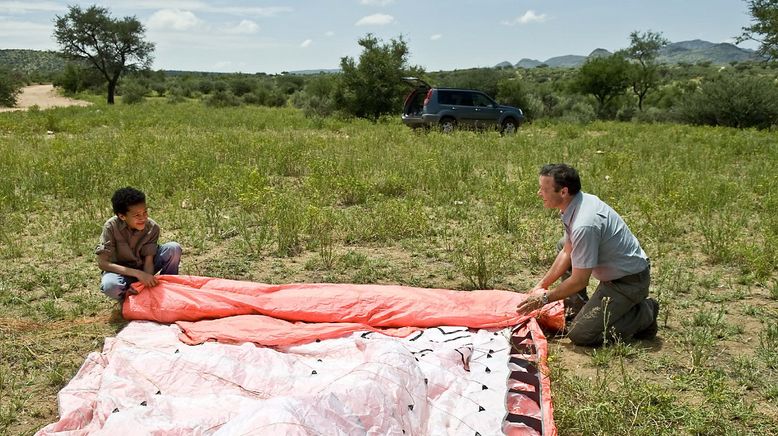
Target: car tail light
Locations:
point(427, 97)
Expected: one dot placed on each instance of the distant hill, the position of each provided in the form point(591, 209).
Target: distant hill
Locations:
point(599, 53)
point(703, 51)
point(311, 72)
point(690, 52)
point(32, 61)
point(504, 64)
point(567, 61)
point(528, 63)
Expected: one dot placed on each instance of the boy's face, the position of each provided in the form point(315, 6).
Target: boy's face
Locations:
point(136, 216)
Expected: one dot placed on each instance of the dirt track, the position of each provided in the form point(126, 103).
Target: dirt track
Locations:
point(44, 96)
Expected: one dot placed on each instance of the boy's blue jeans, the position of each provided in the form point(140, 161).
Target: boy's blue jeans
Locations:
point(165, 262)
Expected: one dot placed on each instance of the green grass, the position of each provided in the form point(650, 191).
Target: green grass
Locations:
point(267, 195)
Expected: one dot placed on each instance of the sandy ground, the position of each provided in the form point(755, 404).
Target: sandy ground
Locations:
point(44, 96)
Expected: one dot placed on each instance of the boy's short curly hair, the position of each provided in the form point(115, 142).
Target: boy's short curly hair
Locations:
point(123, 198)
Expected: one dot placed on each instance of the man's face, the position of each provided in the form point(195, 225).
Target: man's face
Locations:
point(136, 216)
point(552, 199)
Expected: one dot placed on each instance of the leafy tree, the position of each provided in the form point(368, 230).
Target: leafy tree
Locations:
point(765, 27)
point(10, 86)
point(110, 45)
point(643, 50)
point(605, 78)
point(374, 87)
point(734, 101)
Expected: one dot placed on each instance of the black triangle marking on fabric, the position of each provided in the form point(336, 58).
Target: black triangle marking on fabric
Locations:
point(314, 372)
point(158, 393)
point(410, 407)
point(488, 356)
point(365, 334)
point(484, 387)
point(318, 340)
point(481, 408)
point(451, 332)
point(477, 434)
point(143, 403)
point(176, 351)
point(319, 360)
point(426, 381)
point(115, 410)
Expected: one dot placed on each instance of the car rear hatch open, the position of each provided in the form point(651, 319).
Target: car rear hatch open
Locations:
point(414, 101)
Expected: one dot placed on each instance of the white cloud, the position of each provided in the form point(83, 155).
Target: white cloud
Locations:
point(436, 37)
point(175, 19)
point(18, 7)
point(306, 43)
point(376, 2)
point(329, 33)
point(245, 27)
point(200, 6)
point(375, 20)
point(529, 17)
point(27, 35)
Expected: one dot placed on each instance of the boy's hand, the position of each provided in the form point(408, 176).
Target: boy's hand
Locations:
point(148, 280)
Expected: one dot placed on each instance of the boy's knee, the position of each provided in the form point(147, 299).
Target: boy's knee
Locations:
point(114, 286)
point(171, 250)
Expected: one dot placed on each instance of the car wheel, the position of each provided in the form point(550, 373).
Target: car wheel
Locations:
point(509, 126)
point(448, 125)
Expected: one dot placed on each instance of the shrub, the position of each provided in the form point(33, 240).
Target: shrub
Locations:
point(222, 99)
point(133, 93)
point(10, 86)
point(513, 93)
point(731, 101)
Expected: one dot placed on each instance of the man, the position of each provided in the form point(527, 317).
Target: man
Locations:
point(597, 242)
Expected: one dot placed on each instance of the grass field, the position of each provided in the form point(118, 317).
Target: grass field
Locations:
point(268, 195)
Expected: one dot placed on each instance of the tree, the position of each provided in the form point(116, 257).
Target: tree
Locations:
point(10, 87)
point(643, 50)
point(765, 27)
point(110, 45)
point(374, 87)
point(605, 78)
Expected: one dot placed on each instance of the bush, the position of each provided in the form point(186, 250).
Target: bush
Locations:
point(222, 99)
point(77, 78)
point(513, 93)
point(10, 87)
point(133, 92)
point(731, 101)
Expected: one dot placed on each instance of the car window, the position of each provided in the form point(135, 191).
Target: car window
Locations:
point(463, 98)
point(445, 97)
point(481, 100)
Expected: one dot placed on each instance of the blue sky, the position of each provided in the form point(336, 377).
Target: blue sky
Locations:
point(275, 35)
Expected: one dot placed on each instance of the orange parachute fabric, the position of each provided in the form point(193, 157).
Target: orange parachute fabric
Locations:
point(288, 310)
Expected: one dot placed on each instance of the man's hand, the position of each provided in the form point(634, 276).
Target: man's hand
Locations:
point(148, 280)
point(532, 303)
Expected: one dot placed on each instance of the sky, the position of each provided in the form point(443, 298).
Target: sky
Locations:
point(273, 36)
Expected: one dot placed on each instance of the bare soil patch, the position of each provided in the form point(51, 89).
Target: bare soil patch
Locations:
point(43, 96)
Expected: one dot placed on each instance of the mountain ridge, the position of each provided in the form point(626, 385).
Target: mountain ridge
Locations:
point(692, 51)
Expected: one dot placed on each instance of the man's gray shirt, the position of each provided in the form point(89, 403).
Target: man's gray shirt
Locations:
point(601, 240)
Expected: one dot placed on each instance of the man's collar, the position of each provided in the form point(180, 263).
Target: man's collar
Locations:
point(572, 207)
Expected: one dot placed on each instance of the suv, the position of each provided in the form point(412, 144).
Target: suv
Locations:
point(448, 108)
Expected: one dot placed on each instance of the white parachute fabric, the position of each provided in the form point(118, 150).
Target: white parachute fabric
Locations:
point(444, 380)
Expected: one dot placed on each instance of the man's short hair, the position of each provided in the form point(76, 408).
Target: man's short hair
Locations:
point(564, 176)
point(123, 198)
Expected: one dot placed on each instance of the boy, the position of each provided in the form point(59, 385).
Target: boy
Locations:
point(128, 250)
